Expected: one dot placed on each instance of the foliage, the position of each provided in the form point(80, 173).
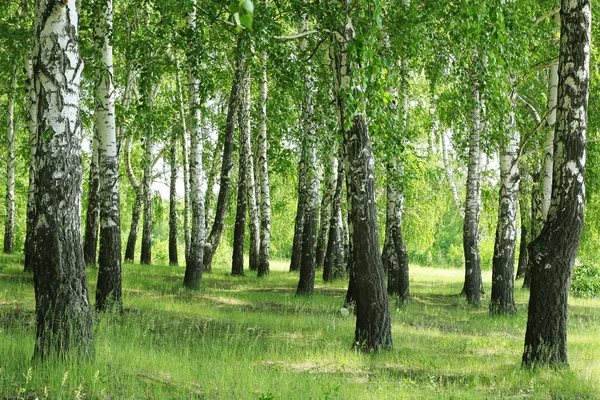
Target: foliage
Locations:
point(585, 281)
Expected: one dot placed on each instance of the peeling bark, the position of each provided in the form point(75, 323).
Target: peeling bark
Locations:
point(63, 314)
point(502, 300)
point(195, 253)
point(108, 289)
point(552, 253)
point(263, 168)
point(472, 286)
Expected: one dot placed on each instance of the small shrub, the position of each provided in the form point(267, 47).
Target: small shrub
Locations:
point(586, 280)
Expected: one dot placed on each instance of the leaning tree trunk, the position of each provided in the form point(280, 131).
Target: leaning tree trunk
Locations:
point(263, 168)
point(210, 246)
point(373, 328)
point(334, 265)
point(90, 240)
point(296, 259)
point(137, 205)
point(108, 289)
point(173, 259)
point(502, 301)
point(306, 283)
point(472, 286)
point(63, 313)
point(9, 223)
point(237, 264)
point(32, 113)
point(324, 220)
point(193, 269)
point(552, 254)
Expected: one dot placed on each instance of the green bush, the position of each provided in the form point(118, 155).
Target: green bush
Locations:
point(586, 280)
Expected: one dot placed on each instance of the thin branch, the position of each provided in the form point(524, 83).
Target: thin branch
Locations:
point(531, 108)
point(534, 131)
point(298, 35)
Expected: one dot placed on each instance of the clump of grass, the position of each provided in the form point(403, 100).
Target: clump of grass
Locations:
point(243, 337)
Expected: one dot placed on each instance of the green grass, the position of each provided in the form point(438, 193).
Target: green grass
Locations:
point(249, 338)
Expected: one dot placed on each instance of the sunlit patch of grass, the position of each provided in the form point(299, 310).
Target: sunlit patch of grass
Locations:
point(244, 337)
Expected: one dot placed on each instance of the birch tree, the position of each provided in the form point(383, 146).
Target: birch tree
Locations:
point(108, 290)
point(552, 253)
point(63, 312)
point(195, 254)
point(502, 300)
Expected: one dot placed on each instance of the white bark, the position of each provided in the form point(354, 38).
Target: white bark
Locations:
point(64, 318)
point(186, 165)
point(193, 272)
point(250, 183)
point(549, 143)
point(472, 285)
point(109, 274)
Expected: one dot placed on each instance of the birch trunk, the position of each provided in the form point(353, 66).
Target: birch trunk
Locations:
point(367, 279)
point(472, 286)
point(330, 178)
point(296, 259)
point(185, 166)
point(147, 104)
point(524, 194)
point(108, 289)
point(90, 241)
point(32, 116)
point(210, 184)
point(193, 268)
point(334, 264)
point(173, 256)
point(552, 253)
point(502, 300)
point(253, 214)
point(373, 326)
point(263, 168)
point(63, 313)
point(9, 223)
point(549, 144)
point(137, 205)
point(397, 257)
point(212, 242)
point(306, 283)
point(237, 265)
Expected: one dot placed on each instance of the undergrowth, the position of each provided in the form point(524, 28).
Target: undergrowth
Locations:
point(249, 338)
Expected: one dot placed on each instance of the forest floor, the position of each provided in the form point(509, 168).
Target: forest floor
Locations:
point(249, 338)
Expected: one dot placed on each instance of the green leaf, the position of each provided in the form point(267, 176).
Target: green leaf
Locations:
point(247, 5)
point(246, 20)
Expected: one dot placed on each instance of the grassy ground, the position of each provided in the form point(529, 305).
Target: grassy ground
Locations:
point(244, 338)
